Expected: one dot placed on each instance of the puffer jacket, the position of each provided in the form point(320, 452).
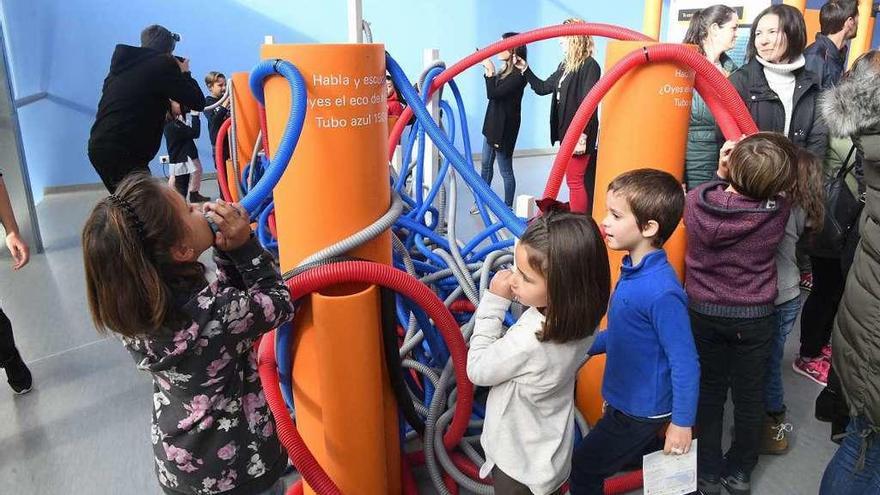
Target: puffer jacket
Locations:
point(853, 109)
point(701, 160)
point(807, 129)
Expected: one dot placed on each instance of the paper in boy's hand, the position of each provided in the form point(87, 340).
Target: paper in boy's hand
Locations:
point(666, 474)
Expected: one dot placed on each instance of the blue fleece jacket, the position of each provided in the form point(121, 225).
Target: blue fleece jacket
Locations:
point(652, 367)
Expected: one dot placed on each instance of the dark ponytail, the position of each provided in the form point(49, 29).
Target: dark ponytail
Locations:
point(702, 19)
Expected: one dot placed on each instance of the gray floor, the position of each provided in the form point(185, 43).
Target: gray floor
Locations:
point(85, 426)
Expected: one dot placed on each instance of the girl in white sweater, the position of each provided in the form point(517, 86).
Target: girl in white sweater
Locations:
point(562, 276)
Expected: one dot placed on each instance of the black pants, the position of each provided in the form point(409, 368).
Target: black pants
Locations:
point(733, 354)
point(505, 485)
point(7, 342)
point(112, 169)
point(181, 184)
point(616, 441)
point(820, 308)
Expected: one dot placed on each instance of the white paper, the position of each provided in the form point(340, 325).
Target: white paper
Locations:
point(670, 474)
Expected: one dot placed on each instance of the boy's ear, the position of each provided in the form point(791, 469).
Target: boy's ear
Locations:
point(651, 229)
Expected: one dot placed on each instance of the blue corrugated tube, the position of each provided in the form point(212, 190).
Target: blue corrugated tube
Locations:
point(292, 131)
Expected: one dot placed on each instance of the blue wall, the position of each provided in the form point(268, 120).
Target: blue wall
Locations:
point(64, 47)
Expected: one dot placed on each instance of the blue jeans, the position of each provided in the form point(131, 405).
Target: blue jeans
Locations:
point(843, 476)
point(786, 314)
point(505, 166)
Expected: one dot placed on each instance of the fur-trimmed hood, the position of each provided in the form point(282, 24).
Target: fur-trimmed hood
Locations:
point(852, 106)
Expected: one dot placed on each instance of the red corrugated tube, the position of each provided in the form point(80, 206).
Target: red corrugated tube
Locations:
point(385, 276)
point(219, 162)
point(725, 103)
point(574, 29)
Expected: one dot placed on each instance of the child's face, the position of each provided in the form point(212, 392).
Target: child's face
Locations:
point(199, 236)
point(218, 88)
point(528, 286)
point(622, 232)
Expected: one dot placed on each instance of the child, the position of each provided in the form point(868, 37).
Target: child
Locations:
point(211, 428)
point(562, 276)
point(652, 371)
point(807, 215)
point(216, 83)
point(733, 230)
point(17, 373)
point(395, 107)
point(182, 128)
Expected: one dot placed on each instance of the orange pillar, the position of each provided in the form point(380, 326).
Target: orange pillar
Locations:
point(862, 42)
point(652, 17)
point(798, 4)
point(336, 184)
point(643, 124)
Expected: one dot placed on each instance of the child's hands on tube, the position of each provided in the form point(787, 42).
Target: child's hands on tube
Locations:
point(724, 156)
point(501, 284)
point(232, 222)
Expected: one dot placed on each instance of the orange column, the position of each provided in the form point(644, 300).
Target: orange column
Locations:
point(247, 125)
point(643, 124)
point(862, 42)
point(652, 17)
point(798, 4)
point(336, 184)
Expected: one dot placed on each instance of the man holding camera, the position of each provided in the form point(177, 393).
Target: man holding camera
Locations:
point(127, 131)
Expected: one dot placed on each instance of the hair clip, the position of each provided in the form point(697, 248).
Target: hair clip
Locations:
point(130, 216)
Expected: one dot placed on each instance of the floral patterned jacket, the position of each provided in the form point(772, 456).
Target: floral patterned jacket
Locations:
point(212, 430)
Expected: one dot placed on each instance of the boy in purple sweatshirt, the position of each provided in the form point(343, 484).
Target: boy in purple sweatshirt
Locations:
point(734, 227)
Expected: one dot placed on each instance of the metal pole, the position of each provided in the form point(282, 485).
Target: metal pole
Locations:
point(355, 21)
point(20, 190)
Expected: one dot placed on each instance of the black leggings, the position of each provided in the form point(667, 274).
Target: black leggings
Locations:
point(112, 169)
point(7, 342)
point(820, 308)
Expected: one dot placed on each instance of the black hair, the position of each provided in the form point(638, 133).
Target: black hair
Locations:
point(519, 51)
point(833, 15)
point(791, 25)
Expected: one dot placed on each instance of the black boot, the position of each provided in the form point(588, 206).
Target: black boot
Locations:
point(18, 375)
point(195, 197)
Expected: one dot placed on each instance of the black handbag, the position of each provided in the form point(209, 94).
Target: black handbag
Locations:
point(842, 211)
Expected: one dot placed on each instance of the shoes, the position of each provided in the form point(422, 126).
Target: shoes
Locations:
point(774, 441)
point(18, 375)
point(815, 369)
point(806, 283)
point(195, 197)
point(737, 482)
point(708, 486)
point(826, 353)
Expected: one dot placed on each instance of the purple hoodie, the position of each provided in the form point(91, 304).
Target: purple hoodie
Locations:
point(730, 268)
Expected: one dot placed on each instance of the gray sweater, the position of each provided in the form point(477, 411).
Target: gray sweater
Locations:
point(529, 426)
point(788, 275)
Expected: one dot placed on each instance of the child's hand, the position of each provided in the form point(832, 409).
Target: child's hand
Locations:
point(678, 440)
point(500, 284)
point(19, 249)
point(234, 228)
point(724, 157)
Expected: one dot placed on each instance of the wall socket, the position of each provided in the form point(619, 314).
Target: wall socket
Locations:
point(164, 159)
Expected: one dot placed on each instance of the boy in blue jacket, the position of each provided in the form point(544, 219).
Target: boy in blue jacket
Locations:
point(652, 373)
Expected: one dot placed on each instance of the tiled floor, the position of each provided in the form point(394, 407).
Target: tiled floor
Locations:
point(85, 426)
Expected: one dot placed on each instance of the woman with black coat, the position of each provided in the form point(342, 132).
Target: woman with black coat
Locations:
point(573, 79)
point(504, 90)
